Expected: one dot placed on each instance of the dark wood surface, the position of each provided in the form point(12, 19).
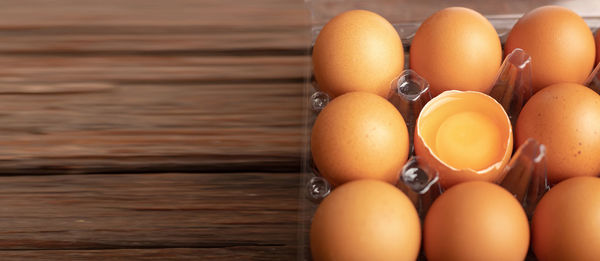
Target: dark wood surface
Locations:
point(152, 130)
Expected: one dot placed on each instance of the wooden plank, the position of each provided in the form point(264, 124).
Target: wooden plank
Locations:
point(151, 69)
point(152, 40)
point(87, 212)
point(219, 13)
point(266, 253)
point(167, 27)
point(152, 128)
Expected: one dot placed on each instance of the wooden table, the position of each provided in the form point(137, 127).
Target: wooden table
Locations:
point(159, 130)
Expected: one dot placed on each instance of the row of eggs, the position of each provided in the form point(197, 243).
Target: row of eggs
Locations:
point(475, 220)
point(360, 137)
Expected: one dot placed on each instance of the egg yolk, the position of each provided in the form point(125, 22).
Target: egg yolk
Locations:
point(468, 140)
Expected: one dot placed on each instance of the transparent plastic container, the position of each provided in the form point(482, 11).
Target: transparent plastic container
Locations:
point(525, 174)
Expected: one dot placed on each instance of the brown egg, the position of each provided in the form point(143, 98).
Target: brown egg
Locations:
point(565, 118)
point(560, 43)
point(365, 220)
point(466, 136)
point(357, 51)
point(565, 224)
point(597, 38)
point(476, 221)
point(456, 49)
point(359, 135)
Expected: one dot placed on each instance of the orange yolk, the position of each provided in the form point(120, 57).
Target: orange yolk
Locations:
point(468, 140)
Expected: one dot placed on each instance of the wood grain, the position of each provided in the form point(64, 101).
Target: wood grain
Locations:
point(266, 253)
point(151, 128)
point(210, 13)
point(152, 211)
point(163, 69)
point(151, 87)
point(208, 41)
point(180, 124)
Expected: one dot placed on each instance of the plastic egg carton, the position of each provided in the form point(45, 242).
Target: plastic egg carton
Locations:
point(524, 175)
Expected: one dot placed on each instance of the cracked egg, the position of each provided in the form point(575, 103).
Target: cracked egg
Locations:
point(465, 136)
